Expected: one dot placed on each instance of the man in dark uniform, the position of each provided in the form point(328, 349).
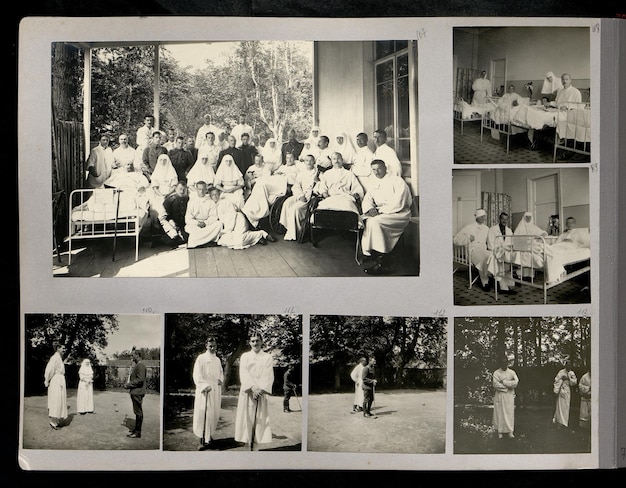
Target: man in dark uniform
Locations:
point(292, 146)
point(137, 385)
point(288, 388)
point(248, 152)
point(235, 152)
point(369, 383)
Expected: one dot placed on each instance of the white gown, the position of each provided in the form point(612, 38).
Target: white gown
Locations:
point(202, 210)
point(84, 391)
point(254, 369)
point(54, 380)
point(391, 196)
point(207, 371)
point(504, 384)
point(293, 211)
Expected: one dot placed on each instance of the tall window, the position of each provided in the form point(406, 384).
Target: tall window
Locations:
point(392, 94)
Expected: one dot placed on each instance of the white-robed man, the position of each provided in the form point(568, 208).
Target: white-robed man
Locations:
point(356, 376)
point(564, 381)
point(208, 377)
point(339, 188)
point(474, 235)
point(99, 165)
point(293, 211)
point(386, 213)
point(207, 127)
point(256, 377)
point(569, 93)
point(385, 152)
point(201, 220)
point(363, 158)
point(499, 243)
point(504, 381)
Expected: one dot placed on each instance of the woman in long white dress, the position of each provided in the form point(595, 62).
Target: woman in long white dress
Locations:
point(564, 380)
point(84, 391)
point(343, 145)
point(200, 171)
point(271, 153)
point(162, 182)
point(54, 380)
point(230, 181)
point(482, 90)
point(527, 227)
point(236, 233)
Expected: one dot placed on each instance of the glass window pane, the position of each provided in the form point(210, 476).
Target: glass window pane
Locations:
point(403, 107)
point(401, 45)
point(384, 71)
point(383, 48)
point(403, 149)
point(384, 104)
point(403, 65)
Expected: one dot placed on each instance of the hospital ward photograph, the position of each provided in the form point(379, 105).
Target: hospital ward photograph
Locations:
point(521, 236)
point(377, 384)
point(522, 385)
point(233, 382)
point(522, 95)
point(235, 159)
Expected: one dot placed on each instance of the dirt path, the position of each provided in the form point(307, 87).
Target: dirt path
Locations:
point(408, 421)
point(286, 429)
point(105, 429)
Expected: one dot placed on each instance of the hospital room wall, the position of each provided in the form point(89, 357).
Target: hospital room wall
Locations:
point(573, 184)
point(344, 88)
point(531, 52)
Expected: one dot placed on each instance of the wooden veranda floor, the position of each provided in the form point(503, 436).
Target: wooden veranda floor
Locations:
point(333, 257)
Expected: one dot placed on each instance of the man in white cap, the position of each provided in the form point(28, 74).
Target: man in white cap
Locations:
point(475, 235)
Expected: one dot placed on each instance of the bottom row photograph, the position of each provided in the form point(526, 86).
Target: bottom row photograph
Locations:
point(321, 383)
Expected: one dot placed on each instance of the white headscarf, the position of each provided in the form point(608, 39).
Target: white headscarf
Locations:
point(201, 171)
point(227, 171)
point(312, 138)
point(271, 155)
point(550, 87)
point(164, 172)
point(85, 368)
point(346, 149)
point(529, 228)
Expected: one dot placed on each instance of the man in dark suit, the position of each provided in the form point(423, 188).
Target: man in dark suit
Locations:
point(137, 385)
point(235, 152)
point(369, 384)
point(288, 388)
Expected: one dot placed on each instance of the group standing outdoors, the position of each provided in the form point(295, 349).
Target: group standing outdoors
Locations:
point(54, 381)
point(505, 382)
point(178, 175)
point(256, 378)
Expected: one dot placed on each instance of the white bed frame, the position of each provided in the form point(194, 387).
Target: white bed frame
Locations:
point(571, 144)
point(111, 225)
point(524, 244)
point(462, 256)
point(458, 115)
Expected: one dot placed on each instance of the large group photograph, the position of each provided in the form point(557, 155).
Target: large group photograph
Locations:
point(92, 382)
point(522, 95)
point(522, 385)
point(235, 159)
point(233, 383)
point(377, 384)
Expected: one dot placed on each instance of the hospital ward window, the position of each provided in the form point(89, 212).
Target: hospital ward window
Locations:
point(392, 94)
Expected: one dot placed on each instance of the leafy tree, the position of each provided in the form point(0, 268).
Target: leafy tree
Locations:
point(82, 336)
point(398, 342)
point(150, 353)
point(187, 333)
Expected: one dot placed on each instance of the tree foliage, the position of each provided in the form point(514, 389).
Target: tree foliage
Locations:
point(82, 336)
point(271, 81)
point(187, 334)
point(536, 346)
point(399, 343)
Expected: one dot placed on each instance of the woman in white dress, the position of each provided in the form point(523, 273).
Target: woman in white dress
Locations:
point(162, 182)
point(84, 391)
point(230, 181)
point(504, 382)
point(200, 171)
point(235, 233)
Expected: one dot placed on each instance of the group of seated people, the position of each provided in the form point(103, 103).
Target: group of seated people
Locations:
point(224, 196)
point(491, 247)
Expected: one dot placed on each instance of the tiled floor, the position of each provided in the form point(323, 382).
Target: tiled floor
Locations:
point(569, 292)
point(469, 149)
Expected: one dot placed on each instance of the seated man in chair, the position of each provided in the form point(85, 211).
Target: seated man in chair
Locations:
point(386, 212)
